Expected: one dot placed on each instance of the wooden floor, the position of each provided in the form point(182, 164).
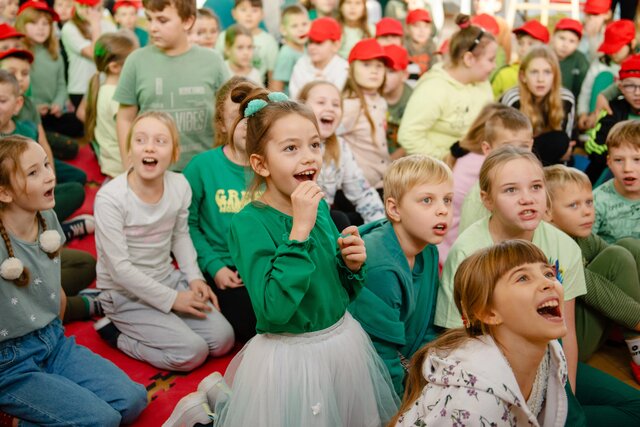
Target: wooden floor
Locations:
point(613, 358)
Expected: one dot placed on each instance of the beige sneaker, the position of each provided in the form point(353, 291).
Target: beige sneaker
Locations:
point(216, 390)
point(191, 410)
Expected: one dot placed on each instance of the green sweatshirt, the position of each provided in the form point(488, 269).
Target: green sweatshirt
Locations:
point(218, 187)
point(295, 287)
point(397, 305)
point(48, 85)
point(574, 68)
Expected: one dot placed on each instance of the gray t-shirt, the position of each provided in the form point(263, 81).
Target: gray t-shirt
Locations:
point(616, 217)
point(28, 308)
point(183, 86)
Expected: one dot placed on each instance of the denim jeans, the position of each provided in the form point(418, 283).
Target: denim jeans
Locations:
point(47, 379)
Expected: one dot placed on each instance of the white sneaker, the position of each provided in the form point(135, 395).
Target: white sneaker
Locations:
point(216, 390)
point(191, 410)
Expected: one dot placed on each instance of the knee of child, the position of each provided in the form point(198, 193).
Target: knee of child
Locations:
point(620, 257)
point(107, 417)
point(194, 351)
point(134, 402)
point(225, 340)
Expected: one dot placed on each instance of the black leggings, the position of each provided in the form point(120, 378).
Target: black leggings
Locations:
point(628, 8)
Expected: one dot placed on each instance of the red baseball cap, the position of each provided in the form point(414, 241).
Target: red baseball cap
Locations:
point(7, 32)
point(486, 22)
point(389, 27)
point(617, 35)
point(398, 55)
point(17, 53)
point(39, 5)
point(418, 15)
point(323, 29)
point(88, 2)
point(534, 29)
point(597, 7)
point(367, 49)
point(123, 3)
point(568, 24)
point(630, 67)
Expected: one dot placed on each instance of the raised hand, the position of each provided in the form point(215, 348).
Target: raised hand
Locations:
point(304, 201)
point(352, 249)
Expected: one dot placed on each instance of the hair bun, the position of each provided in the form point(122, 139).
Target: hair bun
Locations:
point(463, 21)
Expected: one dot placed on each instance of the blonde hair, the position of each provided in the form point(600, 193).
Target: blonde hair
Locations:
point(31, 15)
point(11, 150)
point(228, 91)
point(559, 176)
point(505, 119)
point(500, 157)
point(166, 120)
point(547, 114)
point(353, 90)
point(473, 287)
point(407, 172)
point(331, 144)
point(622, 133)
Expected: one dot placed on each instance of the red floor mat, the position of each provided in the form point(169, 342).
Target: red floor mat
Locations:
point(164, 388)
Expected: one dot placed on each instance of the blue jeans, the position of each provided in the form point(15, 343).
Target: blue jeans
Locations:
point(47, 379)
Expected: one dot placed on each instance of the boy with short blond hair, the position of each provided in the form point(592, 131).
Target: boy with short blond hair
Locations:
point(294, 27)
point(617, 201)
point(397, 305)
point(249, 14)
point(173, 76)
point(611, 271)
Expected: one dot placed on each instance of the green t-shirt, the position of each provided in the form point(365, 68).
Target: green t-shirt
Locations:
point(26, 129)
point(29, 112)
point(48, 85)
point(183, 86)
point(295, 287)
point(574, 69)
point(218, 192)
point(561, 250)
point(397, 305)
point(142, 35)
point(285, 61)
point(616, 216)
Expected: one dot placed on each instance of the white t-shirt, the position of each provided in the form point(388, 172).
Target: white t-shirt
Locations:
point(304, 72)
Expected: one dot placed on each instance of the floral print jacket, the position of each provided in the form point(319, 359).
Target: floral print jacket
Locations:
point(475, 386)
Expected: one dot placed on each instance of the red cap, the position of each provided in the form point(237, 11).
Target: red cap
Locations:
point(534, 29)
point(597, 7)
point(486, 22)
point(17, 53)
point(398, 55)
point(389, 27)
point(88, 2)
point(7, 32)
point(630, 67)
point(323, 29)
point(617, 35)
point(367, 49)
point(122, 3)
point(418, 15)
point(39, 5)
point(568, 24)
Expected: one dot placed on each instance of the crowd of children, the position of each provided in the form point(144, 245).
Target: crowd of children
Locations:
point(404, 220)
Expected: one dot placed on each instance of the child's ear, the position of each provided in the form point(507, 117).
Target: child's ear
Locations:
point(5, 195)
point(188, 23)
point(259, 165)
point(485, 147)
point(19, 104)
point(490, 317)
point(114, 67)
point(468, 59)
point(486, 200)
point(391, 207)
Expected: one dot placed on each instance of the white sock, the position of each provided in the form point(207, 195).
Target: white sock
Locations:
point(634, 349)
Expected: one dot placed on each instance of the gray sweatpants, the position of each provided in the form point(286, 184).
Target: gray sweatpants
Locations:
point(170, 341)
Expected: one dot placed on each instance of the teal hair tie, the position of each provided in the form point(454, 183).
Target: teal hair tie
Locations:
point(277, 97)
point(254, 106)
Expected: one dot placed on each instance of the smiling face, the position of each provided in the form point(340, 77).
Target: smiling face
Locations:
point(39, 30)
point(32, 186)
point(369, 75)
point(528, 302)
point(538, 77)
point(295, 28)
point(326, 103)
point(572, 210)
point(564, 43)
point(423, 215)
point(167, 30)
point(293, 154)
point(624, 162)
point(517, 198)
point(151, 149)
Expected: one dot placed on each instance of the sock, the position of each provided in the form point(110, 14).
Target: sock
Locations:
point(634, 349)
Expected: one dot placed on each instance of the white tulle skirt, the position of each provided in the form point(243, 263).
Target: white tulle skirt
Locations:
point(328, 378)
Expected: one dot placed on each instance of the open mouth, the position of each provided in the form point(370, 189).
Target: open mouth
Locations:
point(48, 193)
point(629, 181)
point(440, 229)
point(148, 161)
point(326, 120)
point(528, 214)
point(550, 310)
point(305, 176)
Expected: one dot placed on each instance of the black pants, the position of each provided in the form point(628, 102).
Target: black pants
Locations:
point(628, 8)
point(236, 307)
point(67, 124)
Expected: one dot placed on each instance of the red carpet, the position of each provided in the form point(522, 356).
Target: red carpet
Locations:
point(164, 388)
